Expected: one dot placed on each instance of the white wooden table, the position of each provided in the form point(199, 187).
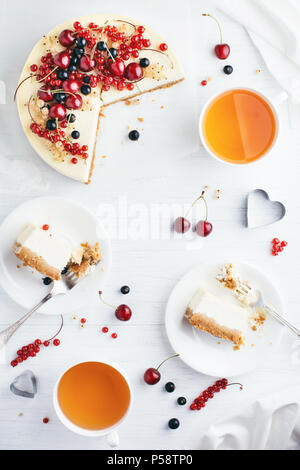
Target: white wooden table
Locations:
point(150, 263)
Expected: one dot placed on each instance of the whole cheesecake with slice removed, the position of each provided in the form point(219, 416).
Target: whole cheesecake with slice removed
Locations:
point(208, 313)
point(51, 253)
point(77, 69)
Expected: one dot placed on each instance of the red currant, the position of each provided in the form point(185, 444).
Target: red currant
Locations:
point(163, 46)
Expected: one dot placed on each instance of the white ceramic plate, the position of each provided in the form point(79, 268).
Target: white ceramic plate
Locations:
point(24, 285)
point(211, 355)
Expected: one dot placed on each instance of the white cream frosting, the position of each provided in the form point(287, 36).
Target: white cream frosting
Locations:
point(55, 249)
point(223, 313)
point(87, 121)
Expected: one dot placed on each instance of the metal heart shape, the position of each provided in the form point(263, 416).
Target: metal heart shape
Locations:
point(261, 210)
point(24, 385)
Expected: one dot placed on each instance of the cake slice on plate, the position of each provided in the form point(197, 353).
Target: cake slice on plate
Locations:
point(51, 253)
point(208, 313)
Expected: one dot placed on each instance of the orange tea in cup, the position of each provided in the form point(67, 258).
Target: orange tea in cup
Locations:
point(239, 126)
point(93, 395)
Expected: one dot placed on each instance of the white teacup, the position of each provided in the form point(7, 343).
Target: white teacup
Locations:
point(110, 432)
point(273, 103)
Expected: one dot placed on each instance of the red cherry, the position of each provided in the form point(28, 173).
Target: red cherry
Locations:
point(57, 111)
point(133, 71)
point(222, 51)
point(62, 59)
point(117, 68)
point(74, 102)
point(86, 63)
point(203, 228)
point(152, 376)
point(45, 93)
point(71, 86)
point(123, 312)
point(181, 225)
point(66, 38)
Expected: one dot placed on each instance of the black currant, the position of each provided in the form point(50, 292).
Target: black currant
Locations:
point(87, 79)
point(228, 69)
point(134, 135)
point(144, 62)
point(170, 387)
point(174, 423)
point(75, 134)
point(101, 46)
point(71, 118)
point(85, 89)
point(74, 60)
point(80, 42)
point(78, 52)
point(59, 97)
point(181, 401)
point(72, 68)
point(113, 52)
point(125, 290)
point(51, 124)
point(62, 75)
point(47, 281)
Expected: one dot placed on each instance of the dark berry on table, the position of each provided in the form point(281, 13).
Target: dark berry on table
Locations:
point(125, 290)
point(87, 79)
point(62, 75)
point(47, 281)
point(101, 46)
point(59, 97)
point(71, 117)
point(228, 69)
point(181, 401)
point(134, 135)
point(85, 89)
point(144, 62)
point(51, 124)
point(181, 225)
point(170, 387)
point(80, 42)
point(113, 52)
point(75, 134)
point(174, 423)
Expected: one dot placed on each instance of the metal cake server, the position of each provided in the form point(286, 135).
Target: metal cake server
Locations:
point(66, 283)
point(244, 289)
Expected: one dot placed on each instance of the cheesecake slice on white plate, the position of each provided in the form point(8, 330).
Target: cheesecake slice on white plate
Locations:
point(208, 313)
point(50, 253)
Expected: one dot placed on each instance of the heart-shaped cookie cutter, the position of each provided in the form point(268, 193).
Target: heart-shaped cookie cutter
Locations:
point(276, 212)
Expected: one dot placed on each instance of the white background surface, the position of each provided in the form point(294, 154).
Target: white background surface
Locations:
point(151, 267)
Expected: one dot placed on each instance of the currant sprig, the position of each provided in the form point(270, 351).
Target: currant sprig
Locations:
point(202, 399)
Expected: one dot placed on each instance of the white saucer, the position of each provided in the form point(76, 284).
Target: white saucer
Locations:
point(206, 353)
point(25, 286)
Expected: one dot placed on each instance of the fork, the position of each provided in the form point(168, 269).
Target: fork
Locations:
point(244, 289)
point(66, 283)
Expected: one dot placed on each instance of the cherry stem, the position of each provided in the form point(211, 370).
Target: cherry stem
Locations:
point(127, 22)
point(106, 303)
point(21, 83)
point(219, 26)
point(236, 383)
point(196, 200)
point(175, 355)
point(42, 79)
point(61, 327)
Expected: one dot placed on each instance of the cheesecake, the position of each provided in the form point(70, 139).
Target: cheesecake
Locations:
point(208, 313)
point(51, 253)
point(77, 69)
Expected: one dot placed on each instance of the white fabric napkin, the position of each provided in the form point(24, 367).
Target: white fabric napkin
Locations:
point(271, 423)
point(273, 25)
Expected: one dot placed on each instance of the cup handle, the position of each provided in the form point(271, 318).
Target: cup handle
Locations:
point(280, 97)
point(113, 439)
